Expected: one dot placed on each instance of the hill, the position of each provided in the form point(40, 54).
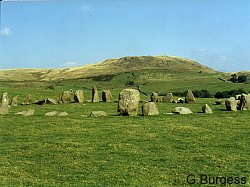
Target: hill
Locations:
point(107, 67)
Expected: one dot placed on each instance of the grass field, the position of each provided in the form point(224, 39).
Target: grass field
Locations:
point(123, 151)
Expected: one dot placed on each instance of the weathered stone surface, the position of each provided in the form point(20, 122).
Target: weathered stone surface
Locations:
point(206, 109)
point(244, 102)
point(154, 97)
point(4, 104)
point(149, 109)
point(189, 97)
point(218, 102)
point(168, 98)
point(46, 101)
point(160, 99)
point(27, 100)
point(182, 110)
point(238, 96)
point(107, 96)
point(79, 96)
point(51, 101)
point(98, 113)
point(128, 102)
point(29, 112)
point(95, 96)
point(56, 113)
point(67, 97)
point(14, 101)
point(231, 104)
point(180, 100)
point(53, 113)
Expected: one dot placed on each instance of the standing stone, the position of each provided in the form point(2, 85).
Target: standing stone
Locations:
point(182, 110)
point(189, 97)
point(206, 109)
point(107, 96)
point(128, 102)
point(154, 97)
point(4, 104)
point(14, 101)
point(95, 96)
point(168, 98)
point(149, 109)
point(27, 100)
point(231, 104)
point(79, 96)
point(244, 102)
point(67, 96)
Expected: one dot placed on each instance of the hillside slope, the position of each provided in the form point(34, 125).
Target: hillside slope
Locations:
point(107, 67)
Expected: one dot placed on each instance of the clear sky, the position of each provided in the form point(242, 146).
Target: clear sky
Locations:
point(62, 33)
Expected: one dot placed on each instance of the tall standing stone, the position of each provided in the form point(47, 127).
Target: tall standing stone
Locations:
point(168, 98)
point(107, 96)
point(4, 104)
point(27, 100)
point(128, 102)
point(189, 97)
point(149, 109)
point(95, 96)
point(14, 101)
point(154, 97)
point(79, 96)
point(231, 104)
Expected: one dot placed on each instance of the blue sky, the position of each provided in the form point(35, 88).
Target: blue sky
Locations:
point(46, 34)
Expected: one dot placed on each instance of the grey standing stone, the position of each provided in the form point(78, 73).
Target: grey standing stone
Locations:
point(154, 97)
point(189, 97)
point(206, 109)
point(95, 96)
point(67, 97)
point(244, 102)
point(128, 102)
point(14, 101)
point(27, 100)
point(168, 98)
point(107, 96)
point(4, 104)
point(149, 109)
point(231, 104)
point(79, 96)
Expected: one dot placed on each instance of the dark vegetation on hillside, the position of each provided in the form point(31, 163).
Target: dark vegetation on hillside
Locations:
point(230, 93)
point(238, 79)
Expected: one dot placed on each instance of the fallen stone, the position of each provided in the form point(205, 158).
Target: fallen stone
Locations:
point(182, 110)
point(98, 114)
point(29, 112)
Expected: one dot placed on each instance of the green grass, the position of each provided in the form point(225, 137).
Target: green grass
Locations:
point(122, 151)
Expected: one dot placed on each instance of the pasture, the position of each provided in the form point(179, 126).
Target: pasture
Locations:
point(122, 151)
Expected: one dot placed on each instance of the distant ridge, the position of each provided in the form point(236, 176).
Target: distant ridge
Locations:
point(107, 67)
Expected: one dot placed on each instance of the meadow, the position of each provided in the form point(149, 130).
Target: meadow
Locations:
point(162, 150)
